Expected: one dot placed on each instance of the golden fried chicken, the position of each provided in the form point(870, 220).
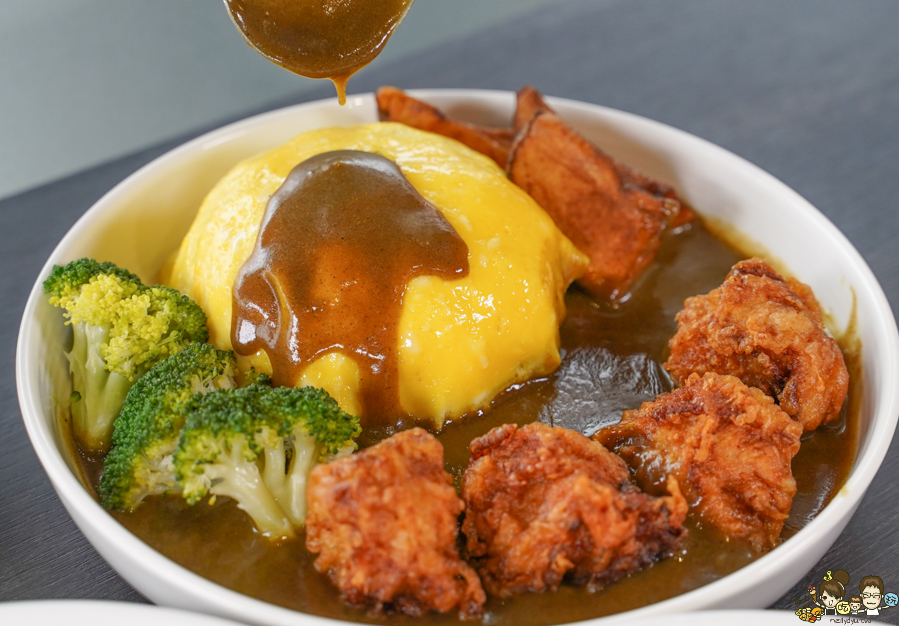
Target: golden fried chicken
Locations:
point(384, 523)
point(530, 102)
point(768, 332)
point(543, 504)
point(728, 446)
point(394, 105)
point(600, 206)
point(610, 212)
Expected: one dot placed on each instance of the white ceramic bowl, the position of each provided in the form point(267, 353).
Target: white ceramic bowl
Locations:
point(142, 220)
point(100, 613)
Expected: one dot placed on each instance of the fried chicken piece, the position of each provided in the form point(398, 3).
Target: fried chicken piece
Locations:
point(543, 504)
point(394, 105)
point(599, 205)
point(530, 102)
point(768, 332)
point(611, 212)
point(728, 446)
point(384, 525)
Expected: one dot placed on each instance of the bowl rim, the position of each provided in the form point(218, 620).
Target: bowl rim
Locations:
point(103, 612)
point(79, 502)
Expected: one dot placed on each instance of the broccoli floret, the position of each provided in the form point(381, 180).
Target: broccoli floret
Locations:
point(252, 377)
point(122, 328)
point(147, 429)
point(257, 445)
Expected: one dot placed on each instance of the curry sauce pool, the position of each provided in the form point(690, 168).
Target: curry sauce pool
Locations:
point(615, 348)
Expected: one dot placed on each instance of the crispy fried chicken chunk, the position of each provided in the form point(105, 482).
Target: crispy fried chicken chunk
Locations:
point(543, 504)
point(384, 525)
point(728, 446)
point(612, 213)
point(601, 206)
point(394, 105)
point(530, 102)
point(768, 332)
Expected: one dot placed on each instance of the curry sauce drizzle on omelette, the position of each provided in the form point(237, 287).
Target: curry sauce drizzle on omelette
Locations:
point(339, 241)
point(460, 340)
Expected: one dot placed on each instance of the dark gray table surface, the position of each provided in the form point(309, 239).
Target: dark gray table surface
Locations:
point(806, 89)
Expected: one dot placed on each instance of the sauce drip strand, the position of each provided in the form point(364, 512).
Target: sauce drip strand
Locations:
point(319, 38)
point(339, 241)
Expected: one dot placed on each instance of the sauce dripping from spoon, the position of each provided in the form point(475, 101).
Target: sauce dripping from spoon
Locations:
point(319, 38)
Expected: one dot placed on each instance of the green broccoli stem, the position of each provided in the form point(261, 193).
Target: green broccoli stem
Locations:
point(236, 477)
point(156, 476)
point(102, 392)
point(288, 483)
point(145, 435)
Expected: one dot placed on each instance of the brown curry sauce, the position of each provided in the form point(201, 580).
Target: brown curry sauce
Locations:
point(319, 38)
point(612, 362)
point(339, 241)
point(617, 349)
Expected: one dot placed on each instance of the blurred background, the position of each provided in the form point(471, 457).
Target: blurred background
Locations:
point(86, 81)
